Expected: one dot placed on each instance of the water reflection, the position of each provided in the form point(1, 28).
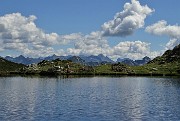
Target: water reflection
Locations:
point(91, 98)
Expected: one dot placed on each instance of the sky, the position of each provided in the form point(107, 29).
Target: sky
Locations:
point(118, 28)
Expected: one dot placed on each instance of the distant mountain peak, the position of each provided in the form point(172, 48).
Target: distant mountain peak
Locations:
point(122, 59)
point(54, 55)
point(146, 58)
point(130, 62)
point(76, 59)
point(82, 58)
point(21, 56)
point(101, 55)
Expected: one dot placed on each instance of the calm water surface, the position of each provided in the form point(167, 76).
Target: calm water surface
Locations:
point(89, 99)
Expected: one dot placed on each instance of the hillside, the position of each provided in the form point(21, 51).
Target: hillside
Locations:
point(170, 56)
point(168, 63)
point(57, 66)
point(6, 65)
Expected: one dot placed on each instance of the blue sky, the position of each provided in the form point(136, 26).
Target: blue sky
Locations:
point(82, 17)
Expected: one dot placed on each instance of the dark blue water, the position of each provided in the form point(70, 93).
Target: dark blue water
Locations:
point(89, 99)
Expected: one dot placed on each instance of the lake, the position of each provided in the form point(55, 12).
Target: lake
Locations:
point(89, 98)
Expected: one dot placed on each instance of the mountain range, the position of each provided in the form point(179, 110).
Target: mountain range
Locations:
point(130, 62)
point(167, 64)
point(91, 60)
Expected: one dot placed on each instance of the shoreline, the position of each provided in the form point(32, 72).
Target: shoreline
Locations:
point(10, 74)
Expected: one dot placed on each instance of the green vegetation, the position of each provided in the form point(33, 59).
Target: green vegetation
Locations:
point(6, 67)
point(57, 67)
point(166, 65)
point(103, 69)
point(155, 69)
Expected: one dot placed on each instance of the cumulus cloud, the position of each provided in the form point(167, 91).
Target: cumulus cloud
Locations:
point(20, 29)
point(172, 43)
point(39, 52)
point(172, 31)
point(127, 21)
point(21, 34)
point(91, 44)
point(133, 50)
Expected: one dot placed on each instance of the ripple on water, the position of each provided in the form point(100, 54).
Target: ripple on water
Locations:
point(89, 99)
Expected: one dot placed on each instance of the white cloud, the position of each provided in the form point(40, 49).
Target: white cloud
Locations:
point(172, 31)
point(127, 21)
point(21, 34)
point(15, 46)
point(172, 43)
point(73, 36)
point(132, 47)
point(40, 52)
point(17, 28)
point(133, 50)
point(91, 44)
point(161, 28)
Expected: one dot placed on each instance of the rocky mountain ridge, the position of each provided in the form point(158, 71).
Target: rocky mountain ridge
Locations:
point(170, 56)
point(91, 60)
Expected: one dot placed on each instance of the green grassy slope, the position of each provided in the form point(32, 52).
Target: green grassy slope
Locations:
point(167, 64)
point(7, 66)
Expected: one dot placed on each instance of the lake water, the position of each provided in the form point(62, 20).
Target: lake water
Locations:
point(89, 98)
